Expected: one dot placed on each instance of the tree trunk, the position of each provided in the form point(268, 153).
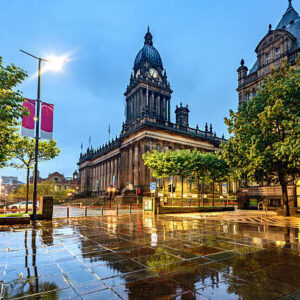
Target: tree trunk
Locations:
point(286, 206)
point(213, 193)
point(181, 190)
point(198, 192)
point(27, 191)
point(202, 193)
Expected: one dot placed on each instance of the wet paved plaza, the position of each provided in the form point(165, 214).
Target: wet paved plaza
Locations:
point(141, 257)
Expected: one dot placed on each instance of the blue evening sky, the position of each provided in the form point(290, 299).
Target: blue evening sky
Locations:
point(200, 42)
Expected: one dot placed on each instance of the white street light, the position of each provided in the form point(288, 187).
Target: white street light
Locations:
point(56, 63)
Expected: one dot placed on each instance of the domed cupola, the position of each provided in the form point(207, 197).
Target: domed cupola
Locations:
point(148, 54)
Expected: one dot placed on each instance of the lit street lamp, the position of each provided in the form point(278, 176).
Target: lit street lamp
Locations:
point(54, 64)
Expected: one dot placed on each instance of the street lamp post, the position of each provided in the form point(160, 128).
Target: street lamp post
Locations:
point(54, 63)
point(37, 133)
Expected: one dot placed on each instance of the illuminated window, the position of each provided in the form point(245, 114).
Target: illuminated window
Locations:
point(268, 58)
point(277, 52)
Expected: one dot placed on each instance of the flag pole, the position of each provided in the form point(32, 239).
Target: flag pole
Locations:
point(37, 132)
point(108, 132)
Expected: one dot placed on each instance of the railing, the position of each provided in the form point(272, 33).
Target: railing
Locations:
point(95, 210)
point(206, 202)
point(7, 211)
point(93, 153)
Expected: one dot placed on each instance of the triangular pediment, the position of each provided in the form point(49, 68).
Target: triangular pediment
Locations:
point(273, 36)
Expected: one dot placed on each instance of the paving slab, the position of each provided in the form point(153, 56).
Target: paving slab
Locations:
point(145, 257)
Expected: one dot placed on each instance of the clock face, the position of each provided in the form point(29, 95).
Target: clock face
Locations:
point(153, 73)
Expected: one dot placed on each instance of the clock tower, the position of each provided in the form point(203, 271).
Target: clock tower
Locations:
point(148, 92)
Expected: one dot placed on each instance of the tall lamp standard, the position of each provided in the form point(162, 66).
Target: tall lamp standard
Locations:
point(55, 64)
point(37, 133)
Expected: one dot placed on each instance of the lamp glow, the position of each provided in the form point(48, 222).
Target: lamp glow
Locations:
point(56, 63)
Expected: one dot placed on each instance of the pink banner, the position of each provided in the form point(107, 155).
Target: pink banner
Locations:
point(28, 123)
point(47, 121)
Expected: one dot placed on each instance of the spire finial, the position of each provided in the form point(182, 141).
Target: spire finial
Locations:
point(242, 62)
point(270, 27)
point(148, 37)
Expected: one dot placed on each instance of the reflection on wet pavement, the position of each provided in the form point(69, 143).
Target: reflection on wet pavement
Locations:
point(142, 257)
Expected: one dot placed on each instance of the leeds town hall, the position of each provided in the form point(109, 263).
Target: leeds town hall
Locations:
point(147, 127)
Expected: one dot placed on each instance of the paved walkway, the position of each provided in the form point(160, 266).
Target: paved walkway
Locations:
point(247, 216)
point(142, 257)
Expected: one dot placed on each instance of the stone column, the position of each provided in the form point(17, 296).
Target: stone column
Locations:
point(135, 106)
point(136, 164)
point(150, 101)
point(142, 166)
point(115, 170)
point(146, 169)
point(130, 165)
point(105, 175)
point(131, 108)
point(168, 105)
point(165, 108)
point(139, 104)
point(119, 171)
point(94, 178)
point(142, 101)
point(100, 177)
point(153, 101)
point(121, 168)
point(112, 168)
point(110, 172)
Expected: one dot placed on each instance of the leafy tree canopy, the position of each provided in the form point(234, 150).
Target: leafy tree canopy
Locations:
point(24, 151)
point(11, 108)
point(24, 155)
point(207, 166)
point(265, 131)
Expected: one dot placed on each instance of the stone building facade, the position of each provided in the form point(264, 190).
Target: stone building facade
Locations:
point(147, 127)
point(282, 43)
point(278, 45)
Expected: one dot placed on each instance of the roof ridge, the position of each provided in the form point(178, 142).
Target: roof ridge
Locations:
point(288, 17)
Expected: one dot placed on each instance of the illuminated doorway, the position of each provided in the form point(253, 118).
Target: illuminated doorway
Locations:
point(298, 193)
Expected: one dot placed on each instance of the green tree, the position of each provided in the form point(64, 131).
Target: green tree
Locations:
point(205, 167)
point(216, 170)
point(182, 166)
point(44, 188)
point(169, 163)
point(11, 108)
point(198, 168)
point(155, 162)
point(265, 141)
point(24, 154)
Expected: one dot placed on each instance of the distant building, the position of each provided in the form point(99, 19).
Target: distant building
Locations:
point(60, 181)
point(8, 184)
point(282, 43)
point(147, 127)
point(63, 183)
